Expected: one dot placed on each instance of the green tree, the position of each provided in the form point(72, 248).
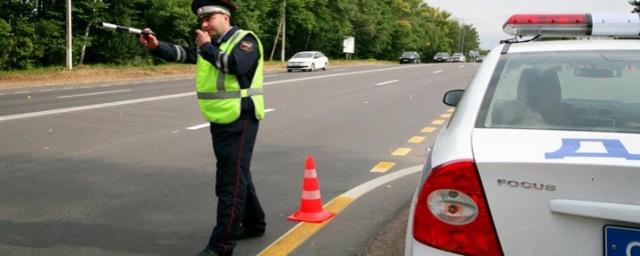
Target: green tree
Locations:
point(635, 4)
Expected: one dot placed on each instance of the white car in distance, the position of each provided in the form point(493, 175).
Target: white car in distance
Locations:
point(308, 61)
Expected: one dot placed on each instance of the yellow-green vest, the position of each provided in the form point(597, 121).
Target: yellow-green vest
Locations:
point(219, 93)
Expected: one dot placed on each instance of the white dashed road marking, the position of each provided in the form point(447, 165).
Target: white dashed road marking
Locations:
point(205, 125)
point(388, 82)
point(196, 127)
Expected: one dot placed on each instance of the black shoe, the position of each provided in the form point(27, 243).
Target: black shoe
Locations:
point(207, 252)
point(244, 233)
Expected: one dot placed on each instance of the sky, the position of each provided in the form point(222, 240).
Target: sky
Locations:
point(488, 16)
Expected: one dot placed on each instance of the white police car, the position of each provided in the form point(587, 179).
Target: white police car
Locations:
point(542, 155)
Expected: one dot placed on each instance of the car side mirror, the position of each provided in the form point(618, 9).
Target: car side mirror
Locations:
point(452, 98)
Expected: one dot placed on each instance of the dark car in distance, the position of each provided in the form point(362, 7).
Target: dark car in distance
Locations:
point(441, 57)
point(410, 57)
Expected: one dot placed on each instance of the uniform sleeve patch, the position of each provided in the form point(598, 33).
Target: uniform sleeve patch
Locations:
point(246, 46)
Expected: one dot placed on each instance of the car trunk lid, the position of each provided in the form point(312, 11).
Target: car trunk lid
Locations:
point(553, 192)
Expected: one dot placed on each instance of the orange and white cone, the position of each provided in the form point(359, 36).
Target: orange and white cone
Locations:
point(311, 202)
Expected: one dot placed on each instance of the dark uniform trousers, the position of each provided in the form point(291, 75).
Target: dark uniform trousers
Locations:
point(237, 200)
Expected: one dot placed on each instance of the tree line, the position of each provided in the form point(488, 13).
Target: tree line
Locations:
point(32, 32)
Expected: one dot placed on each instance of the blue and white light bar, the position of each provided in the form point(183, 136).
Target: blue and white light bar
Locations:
point(560, 25)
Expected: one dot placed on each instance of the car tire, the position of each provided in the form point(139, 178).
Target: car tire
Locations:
point(289, 70)
point(325, 66)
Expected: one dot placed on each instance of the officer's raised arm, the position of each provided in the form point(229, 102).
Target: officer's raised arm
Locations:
point(167, 51)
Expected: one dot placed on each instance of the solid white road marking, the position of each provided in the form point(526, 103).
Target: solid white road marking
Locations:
point(388, 82)
point(437, 71)
point(372, 184)
point(91, 94)
point(94, 106)
point(269, 76)
point(124, 102)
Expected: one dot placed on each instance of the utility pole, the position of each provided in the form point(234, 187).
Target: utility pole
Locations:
point(69, 38)
point(462, 40)
point(284, 30)
point(275, 41)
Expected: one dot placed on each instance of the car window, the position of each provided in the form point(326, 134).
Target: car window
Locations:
point(408, 54)
point(584, 91)
point(303, 55)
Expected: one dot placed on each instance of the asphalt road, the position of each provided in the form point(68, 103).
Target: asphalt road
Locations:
point(127, 169)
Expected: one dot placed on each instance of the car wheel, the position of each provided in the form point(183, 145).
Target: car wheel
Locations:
point(289, 70)
point(325, 66)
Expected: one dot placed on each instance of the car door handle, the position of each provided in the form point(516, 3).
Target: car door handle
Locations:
point(598, 210)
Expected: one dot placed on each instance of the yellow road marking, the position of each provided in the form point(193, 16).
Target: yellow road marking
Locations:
point(428, 129)
point(301, 232)
point(401, 152)
point(416, 139)
point(450, 110)
point(447, 115)
point(438, 122)
point(383, 167)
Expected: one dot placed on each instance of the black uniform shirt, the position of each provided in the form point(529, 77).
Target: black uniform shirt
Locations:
point(242, 61)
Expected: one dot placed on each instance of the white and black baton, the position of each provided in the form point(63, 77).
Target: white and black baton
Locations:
point(125, 29)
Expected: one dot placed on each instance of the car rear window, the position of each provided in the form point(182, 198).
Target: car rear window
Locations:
point(581, 91)
point(408, 54)
point(303, 55)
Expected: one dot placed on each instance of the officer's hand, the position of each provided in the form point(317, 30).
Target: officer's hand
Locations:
point(148, 40)
point(202, 38)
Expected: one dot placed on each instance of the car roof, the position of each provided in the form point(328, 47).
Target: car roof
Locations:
point(574, 45)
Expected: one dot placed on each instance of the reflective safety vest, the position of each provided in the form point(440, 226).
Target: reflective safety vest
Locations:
point(219, 93)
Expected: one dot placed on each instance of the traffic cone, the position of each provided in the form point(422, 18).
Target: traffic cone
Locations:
point(311, 202)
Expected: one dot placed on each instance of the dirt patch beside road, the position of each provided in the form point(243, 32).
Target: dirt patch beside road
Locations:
point(389, 241)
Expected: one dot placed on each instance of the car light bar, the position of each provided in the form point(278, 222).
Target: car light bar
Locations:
point(559, 25)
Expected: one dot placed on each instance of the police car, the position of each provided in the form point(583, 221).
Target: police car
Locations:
point(542, 154)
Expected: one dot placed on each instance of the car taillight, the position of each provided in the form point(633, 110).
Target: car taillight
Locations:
point(452, 212)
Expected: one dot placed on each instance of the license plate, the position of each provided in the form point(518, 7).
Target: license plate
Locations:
point(621, 241)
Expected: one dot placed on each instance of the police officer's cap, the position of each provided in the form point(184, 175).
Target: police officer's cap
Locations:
point(203, 8)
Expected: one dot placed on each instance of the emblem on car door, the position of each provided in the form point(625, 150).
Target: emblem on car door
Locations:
point(526, 185)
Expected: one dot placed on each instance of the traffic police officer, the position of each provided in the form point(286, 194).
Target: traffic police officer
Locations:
point(229, 78)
